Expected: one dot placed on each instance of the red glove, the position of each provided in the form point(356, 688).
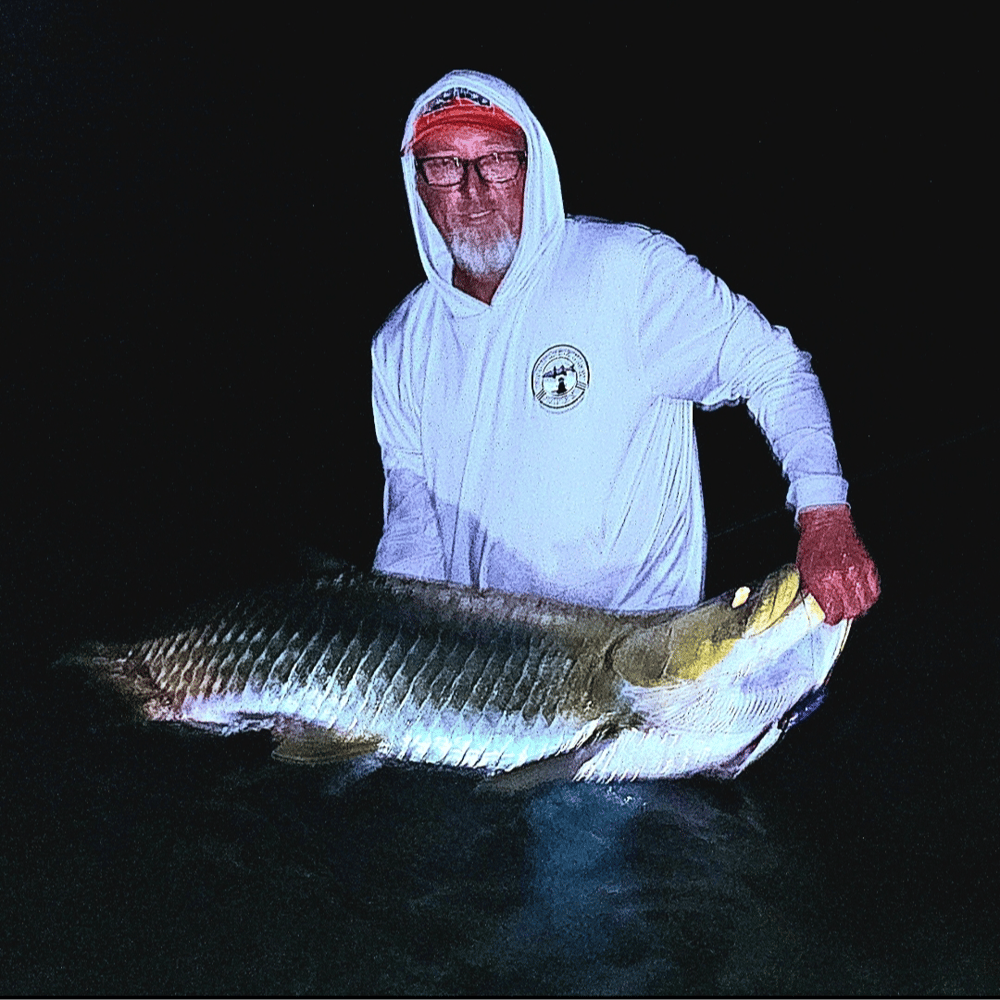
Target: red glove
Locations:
point(835, 567)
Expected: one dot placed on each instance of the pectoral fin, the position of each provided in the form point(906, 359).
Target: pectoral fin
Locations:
point(302, 743)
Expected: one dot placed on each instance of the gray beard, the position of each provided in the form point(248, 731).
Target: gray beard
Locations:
point(483, 261)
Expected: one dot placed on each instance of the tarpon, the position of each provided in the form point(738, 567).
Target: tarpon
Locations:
point(349, 662)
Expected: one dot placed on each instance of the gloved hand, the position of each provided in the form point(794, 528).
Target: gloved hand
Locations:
point(835, 567)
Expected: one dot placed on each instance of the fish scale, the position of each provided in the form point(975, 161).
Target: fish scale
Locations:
point(451, 666)
point(316, 660)
point(216, 652)
point(312, 664)
point(394, 698)
point(417, 689)
point(505, 683)
point(356, 662)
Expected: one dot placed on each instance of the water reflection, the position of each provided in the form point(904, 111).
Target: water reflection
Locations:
point(583, 889)
point(230, 872)
point(642, 888)
point(626, 881)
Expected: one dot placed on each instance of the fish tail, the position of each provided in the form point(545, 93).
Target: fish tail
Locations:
point(115, 667)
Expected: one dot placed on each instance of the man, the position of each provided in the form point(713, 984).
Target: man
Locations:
point(534, 398)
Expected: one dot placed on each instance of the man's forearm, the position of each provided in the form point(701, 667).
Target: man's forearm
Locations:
point(788, 404)
point(411, 538)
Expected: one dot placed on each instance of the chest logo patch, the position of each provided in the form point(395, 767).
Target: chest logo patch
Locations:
point(560, 377)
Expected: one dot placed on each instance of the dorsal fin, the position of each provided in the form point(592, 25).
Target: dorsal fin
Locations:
point(319, 564)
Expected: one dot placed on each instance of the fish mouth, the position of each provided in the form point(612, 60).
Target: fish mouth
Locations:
point(779, 593)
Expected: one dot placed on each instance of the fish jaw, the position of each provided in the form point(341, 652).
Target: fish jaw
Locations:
point(728, 717)
point(774, 598)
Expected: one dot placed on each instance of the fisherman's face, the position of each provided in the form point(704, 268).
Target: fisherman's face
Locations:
point(480, 222)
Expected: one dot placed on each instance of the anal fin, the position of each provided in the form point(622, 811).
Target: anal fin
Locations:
point(561, 767)
point(304, 743)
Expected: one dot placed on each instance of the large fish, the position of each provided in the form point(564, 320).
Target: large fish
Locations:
point(347, 663)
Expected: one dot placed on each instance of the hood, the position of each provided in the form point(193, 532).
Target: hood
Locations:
point(543, 208)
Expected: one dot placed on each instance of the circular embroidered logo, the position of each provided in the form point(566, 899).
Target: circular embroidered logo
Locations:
point(560, 377)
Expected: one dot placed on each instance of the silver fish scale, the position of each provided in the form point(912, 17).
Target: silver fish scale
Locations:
point(176, 664)
point(451, 666)
point(506, 679)
point(377, 669)
point(418, 656)
point(201, 660)
point(416, 691)
point(313, 664)
point(217, 651)
point(408, 679)
point(360, 654)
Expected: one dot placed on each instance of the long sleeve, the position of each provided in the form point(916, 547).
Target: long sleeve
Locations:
point(411, 538)
point(720, 349)
point(784, 395)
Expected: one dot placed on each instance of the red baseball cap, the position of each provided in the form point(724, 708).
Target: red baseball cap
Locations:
point(460, 106)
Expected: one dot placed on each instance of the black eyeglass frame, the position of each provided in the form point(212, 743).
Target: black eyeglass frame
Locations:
point(522, 159)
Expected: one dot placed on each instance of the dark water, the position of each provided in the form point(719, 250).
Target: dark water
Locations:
point(858, 857)
point(190, 284)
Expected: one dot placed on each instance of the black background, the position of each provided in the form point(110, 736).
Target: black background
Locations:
point(204, 225)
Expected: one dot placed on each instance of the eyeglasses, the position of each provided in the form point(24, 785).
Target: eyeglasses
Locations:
point(450, 171)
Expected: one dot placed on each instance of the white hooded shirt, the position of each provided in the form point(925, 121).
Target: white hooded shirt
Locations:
point(544, 443)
